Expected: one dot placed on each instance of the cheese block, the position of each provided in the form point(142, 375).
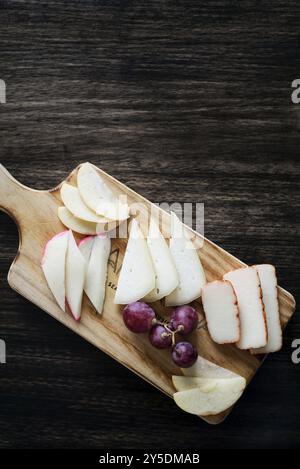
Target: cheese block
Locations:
point(246, 284)
point(75, 277)
point(96, 250)
point(137, 276)
point(76, 224)
point(53, 266)
point(166, 277)
point(203, 368)
point(98, 196)
point(268, 281)
point(190, 272)
point(221, 311)
point(212, 397)
point(72, 200)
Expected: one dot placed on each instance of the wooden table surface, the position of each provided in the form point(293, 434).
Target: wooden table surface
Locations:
point(182, 101)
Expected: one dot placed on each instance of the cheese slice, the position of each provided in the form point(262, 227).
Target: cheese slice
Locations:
point(75, 276)
point(96, 250)
point(76, 224)
point(268, 281)
point(246, 284)
point(221, 311)
point(98, 196)
point(188, 265)
point(166, 277)
point(137, 276)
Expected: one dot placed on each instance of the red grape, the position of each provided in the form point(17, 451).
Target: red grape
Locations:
point(138, 317)
point(184, 319)
point(184, 354)
point(160, 337)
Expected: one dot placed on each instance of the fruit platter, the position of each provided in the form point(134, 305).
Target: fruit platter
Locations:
point(145, 288)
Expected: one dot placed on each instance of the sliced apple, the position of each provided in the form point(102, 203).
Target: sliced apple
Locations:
point(98, 196)
point(183, 383)
point(53, 265)
point(76, 224)
point(72, 200)
point(137, 276)
point(166, 277)
point(211, 400)
point(96, 251)
point(203, 368)
point(188, 265)
point(75, 277)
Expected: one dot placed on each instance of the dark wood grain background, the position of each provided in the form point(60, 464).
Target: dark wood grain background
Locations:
point(183, 101)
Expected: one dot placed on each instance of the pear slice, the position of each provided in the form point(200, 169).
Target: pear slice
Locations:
point(183, 383)
point(76, 224)
point(97, 195)
point(211, 401)
point(96, 250)
point(203, 368)
point(72, 200)
point(166, 277)
point(188, 265)
point(75, 276)
point(137, 276)
point(53, 265)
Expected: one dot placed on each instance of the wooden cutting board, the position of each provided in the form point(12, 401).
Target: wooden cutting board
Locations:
point(35, 213)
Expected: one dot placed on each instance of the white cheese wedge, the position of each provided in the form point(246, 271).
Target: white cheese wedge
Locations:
point(137, 276)
point(221, 311)
point(98, 196)
point(246, 284)
point(211, 398)
point(75, 277)
point(203, 368)
point(95, 250)
point(166, 277)
point(188, 265)
point(72, 200)
point(268, 281)
point(75, 224)
point(53, 265)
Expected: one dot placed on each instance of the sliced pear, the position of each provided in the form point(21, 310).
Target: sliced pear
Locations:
point(220, 397)
point(203, 368)
point(75, 224)
point(166, 277)
point(53, 265)
point(96, 251)
point(97, 195)
point(137, 276)
point(189, 268)
point(183, 383)
point(72, 200)
point(75, 277)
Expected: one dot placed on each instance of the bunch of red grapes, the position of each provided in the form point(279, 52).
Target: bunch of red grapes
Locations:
point(139, 317)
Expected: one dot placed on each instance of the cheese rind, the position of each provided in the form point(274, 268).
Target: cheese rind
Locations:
point(166, 277)
point(221, 311)
point(188, 265)
point(268, 281)
point(246, 284)
point(137, 276)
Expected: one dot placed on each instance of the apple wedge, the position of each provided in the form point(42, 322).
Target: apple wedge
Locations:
point(75, 277)
point(268, 281)
point(96, 251)
point(97, 195)
point(72, 200)
point(76, 224)
point(137, 276)
point(203, 368)
point(188, 265)
point(166, 277)
point(210, 398)
point(53, 265)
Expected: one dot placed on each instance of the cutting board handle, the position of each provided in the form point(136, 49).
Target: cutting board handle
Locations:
point(14, 196)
